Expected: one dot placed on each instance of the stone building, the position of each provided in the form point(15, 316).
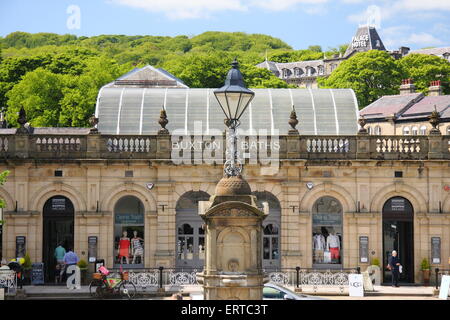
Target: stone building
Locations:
point(409, 112)
point(336, 199)
point(304, 74)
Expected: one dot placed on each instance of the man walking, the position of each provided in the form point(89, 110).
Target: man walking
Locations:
point(60, 252)
point(394, 266)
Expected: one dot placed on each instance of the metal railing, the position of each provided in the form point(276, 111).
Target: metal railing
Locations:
point(439, 273)
point(309, 277)
point(8, 280)
point(161, 277)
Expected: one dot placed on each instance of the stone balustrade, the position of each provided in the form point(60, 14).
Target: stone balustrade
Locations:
point(161, 147)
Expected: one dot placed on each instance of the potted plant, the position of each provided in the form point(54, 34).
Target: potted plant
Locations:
point(27, 267)
point(375, 262)
point(425, 267)
point(82, 264)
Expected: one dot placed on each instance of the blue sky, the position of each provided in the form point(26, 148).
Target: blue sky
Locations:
point(300, 23)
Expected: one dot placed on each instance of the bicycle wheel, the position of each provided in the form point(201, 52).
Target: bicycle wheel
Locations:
point(96, 288)
point(127, 290)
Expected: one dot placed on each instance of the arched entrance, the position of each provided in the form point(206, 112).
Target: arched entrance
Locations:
point(58, 228)
point(129, 233)
point(271, 229)
point(327, 244)
point(190, 244)
point(398, 234)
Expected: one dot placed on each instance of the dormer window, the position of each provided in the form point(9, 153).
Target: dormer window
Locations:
point(285, 73)
point(320, 69)
point(297, 72)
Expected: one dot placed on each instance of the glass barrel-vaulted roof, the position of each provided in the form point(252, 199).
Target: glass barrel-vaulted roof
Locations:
point(136, 110)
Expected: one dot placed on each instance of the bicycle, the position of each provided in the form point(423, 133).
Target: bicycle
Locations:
point(101, 286)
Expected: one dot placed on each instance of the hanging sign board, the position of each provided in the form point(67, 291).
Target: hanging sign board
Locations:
point(435, 250)
point(445, 285)
point(364, 249)
point(355, 285)
point(37, 273)
point(20, 246)
point(92, 248)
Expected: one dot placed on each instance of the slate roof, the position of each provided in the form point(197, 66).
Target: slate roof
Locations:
point(373, 41)
point(432, 51)
point(390, 105)
point(424, 107)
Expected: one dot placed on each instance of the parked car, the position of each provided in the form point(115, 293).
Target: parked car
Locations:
point(271, 291)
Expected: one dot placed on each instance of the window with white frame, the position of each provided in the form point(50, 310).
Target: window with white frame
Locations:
point(415, 131)
point(285, 73)
point(297, 72)
point(369, 130)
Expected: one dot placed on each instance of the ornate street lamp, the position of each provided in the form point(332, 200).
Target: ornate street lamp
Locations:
point(234, 99)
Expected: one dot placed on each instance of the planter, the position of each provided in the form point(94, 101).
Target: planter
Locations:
point(84, 280)
point(426, 277)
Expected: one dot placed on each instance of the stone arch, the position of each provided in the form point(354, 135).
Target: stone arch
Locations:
point(398, 190)
point(39, 198)
point(446, 204)
point(116, 193)
point(342, 195)
point(227, 231)
point(9, 201)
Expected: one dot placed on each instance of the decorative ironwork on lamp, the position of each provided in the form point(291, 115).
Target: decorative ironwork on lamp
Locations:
point(233, 98)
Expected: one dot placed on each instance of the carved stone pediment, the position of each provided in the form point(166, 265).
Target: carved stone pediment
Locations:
point(234, 209)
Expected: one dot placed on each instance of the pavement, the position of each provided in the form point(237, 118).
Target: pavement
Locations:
point(379, 293)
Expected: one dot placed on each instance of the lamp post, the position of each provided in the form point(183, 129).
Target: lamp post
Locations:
point(233, 99)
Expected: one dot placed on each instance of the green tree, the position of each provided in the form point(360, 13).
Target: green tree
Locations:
point(370, 74)
point(39, 92)
point(425, 68)
point(315, 48)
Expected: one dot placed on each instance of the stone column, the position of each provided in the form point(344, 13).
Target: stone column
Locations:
point(233, 269)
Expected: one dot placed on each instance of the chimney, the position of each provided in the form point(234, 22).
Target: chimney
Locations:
point(407, 87)
point(404, 51)
point(435, 88)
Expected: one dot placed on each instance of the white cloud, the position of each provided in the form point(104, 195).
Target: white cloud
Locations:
point(281, 5)
point(372, 16)
point(424, 39)
point(422, 5)
point(185, 9)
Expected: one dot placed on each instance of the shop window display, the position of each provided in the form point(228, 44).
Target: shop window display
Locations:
point(129, 232)
point(327, 231)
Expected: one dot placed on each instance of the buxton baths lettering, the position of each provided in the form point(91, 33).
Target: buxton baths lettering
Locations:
point(230, 309)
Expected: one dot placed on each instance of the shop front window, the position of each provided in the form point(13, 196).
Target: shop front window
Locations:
point(327, 232)
point(129, 232)
point(190, 245)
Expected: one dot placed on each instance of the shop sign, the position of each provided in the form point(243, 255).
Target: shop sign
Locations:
point(435, 250)
point(398, 204)
point(327, 219)
point(355, 285)
point(129, 218)
point(445, 285)
point(58, 204)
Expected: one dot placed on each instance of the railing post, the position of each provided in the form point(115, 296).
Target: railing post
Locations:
point(437, 277)
point(297, 279)
point(161, 278)
point(358, 270)
point(363, 142)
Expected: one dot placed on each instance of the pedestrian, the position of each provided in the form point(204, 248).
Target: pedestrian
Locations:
point(70, 258)
point(60, 252)
point(394, 267)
